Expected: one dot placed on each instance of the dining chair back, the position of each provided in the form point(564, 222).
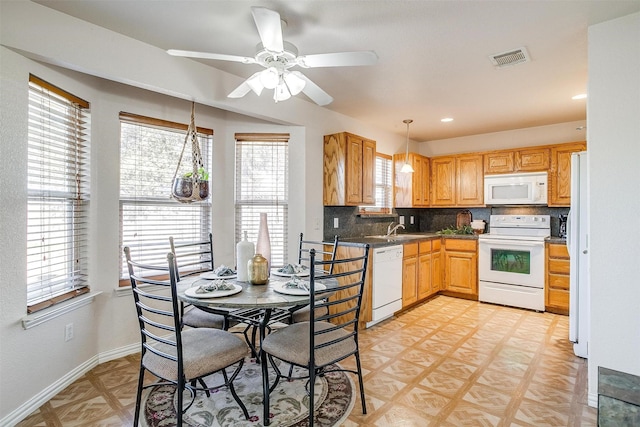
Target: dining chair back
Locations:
point(321, 343)
point(176, 356)
point(194, 257)
point(324, 250)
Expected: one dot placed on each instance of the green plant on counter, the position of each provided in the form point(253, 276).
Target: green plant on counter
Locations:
point(465, 229)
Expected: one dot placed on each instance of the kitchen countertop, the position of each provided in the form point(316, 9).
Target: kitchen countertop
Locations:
point(401, 239)
point(559, 240)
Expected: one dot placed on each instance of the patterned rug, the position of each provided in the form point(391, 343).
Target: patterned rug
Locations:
point(334, 399)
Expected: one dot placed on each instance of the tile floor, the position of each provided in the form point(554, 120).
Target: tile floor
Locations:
point(448, 362)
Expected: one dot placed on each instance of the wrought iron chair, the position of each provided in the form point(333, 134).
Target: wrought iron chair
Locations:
point(325, 250)
point(177, 356)
point(195, 258)
point(319, 344)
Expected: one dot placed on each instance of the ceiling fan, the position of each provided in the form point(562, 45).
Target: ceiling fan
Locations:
point(278, 57)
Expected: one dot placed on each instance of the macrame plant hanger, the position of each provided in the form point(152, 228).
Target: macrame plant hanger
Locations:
point(193, 188)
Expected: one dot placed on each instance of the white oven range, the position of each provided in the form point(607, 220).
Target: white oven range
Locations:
point(511, 261)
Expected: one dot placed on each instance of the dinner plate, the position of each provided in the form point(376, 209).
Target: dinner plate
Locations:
point(191, 292)
point(296, 291)
point(210, 275)
point(304, 273)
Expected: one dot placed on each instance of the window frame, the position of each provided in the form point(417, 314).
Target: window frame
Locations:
point(159, 203)
point(58, 177)
point(278, 220)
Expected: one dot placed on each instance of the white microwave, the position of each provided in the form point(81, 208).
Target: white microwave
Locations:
point(516, 189)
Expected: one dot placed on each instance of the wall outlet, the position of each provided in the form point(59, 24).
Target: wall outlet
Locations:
point(68, 332)
point(336, 223)
point(411, 220)
point(316, 223)
point(402, 219)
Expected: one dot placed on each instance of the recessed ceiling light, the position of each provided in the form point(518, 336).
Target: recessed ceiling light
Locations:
point(446, 120)
point(581, 96)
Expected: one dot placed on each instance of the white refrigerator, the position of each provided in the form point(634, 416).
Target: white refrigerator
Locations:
point(578, 246)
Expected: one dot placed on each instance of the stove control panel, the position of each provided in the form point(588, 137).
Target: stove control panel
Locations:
point(520, 221)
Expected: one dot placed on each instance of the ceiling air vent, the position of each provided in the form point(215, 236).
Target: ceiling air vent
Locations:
point(512, 57)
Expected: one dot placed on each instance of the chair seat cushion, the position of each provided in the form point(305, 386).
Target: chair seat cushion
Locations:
point(291, 344)
point(197, 318)
point(204, 351)
point(304, 314)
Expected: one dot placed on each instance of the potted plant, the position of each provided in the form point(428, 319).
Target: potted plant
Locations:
point(183, 186)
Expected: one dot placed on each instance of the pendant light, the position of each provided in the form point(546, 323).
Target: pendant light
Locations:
point(406, 168)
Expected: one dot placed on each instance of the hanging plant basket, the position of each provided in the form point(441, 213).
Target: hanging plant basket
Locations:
point(192, 186)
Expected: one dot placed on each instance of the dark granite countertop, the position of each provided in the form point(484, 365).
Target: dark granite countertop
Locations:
point(559, 240)
point(405, 238)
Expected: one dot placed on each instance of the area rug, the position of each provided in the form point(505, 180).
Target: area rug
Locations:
point(289, 403)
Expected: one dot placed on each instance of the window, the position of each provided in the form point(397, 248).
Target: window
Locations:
point(149, 154)
point(262, 183)
point(58, 195)
point(384, 187)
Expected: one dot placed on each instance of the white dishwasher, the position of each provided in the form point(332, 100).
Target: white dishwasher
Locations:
point(386, 283)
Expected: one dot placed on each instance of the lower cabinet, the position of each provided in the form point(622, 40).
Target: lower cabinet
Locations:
point(461, 266)
point(421, 271)
point(409, 274)
point(557, 279)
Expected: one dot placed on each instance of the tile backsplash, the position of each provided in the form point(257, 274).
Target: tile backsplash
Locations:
point(350, 224)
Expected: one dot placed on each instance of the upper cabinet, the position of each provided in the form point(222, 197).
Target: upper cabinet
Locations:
point(411, 189)
point(457, 180)
point(349, 170)
point(510, 161)
point(560, 173)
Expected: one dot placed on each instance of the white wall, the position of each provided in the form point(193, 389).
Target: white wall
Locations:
point(528, 137)
point(613, 126)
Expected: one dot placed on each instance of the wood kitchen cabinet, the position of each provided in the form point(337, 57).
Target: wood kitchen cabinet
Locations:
point(349, 170)
point(509, 161)
point(461, 266)
point(411, 189)
point(366, 307)
point(409, 274)
point(560, 173)
point(457, 181)
point(420, 271)
point(556, 288)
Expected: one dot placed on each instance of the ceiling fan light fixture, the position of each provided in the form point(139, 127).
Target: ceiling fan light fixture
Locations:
point(270, 78)
point(294, 83)
point(407, 168)
point(281, 93)
point(255, 84)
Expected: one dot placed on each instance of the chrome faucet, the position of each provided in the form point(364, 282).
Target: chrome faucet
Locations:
point(394, 229)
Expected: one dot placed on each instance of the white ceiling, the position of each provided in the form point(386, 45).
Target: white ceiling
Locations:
point(433, 55)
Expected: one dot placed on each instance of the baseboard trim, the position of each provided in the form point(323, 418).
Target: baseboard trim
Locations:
point(592, 400)
point(45, 395)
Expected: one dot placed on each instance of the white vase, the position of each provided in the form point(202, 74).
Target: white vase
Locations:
point(244, 252)
point(263, 244)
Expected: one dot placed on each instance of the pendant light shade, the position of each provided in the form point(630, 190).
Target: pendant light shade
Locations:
point(406, 168)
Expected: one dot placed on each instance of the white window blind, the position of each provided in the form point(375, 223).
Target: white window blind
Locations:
point(262, 185)
point(384, 185)
point(149, 153)
point(58, 195)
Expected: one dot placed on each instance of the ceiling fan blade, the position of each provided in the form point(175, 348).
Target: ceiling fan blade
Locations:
point(339, 59)
point(313, 91)
point(218, 56)
point(251, 84)
point(269, 28)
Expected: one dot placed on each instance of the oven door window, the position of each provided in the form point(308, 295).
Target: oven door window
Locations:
point(511, 261)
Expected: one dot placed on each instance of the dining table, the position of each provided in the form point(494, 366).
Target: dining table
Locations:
point(257, 306)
